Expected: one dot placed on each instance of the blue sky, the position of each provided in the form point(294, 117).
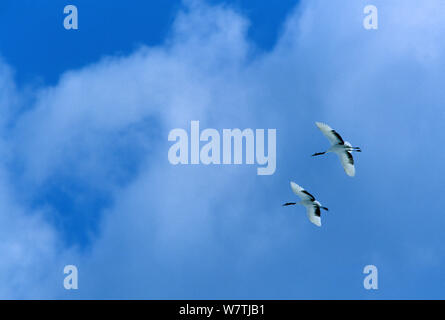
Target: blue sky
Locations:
point(85, 179)
point(41, 50)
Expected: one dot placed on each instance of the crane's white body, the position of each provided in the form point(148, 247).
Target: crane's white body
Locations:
point(342, 148)
point(307, 200)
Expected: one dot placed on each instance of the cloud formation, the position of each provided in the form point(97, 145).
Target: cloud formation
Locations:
point(85, 178)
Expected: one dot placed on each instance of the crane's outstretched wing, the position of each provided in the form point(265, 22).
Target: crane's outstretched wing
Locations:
point(313, 213)
point(331, 134)
point(299, 191)
point(347, 161)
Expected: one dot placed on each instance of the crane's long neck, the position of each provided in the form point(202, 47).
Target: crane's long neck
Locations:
point(318, 154)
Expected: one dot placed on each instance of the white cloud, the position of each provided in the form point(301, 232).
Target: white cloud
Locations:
point(163, 217)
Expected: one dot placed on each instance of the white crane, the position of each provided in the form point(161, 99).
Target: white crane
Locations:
point(312, 206)
point(342, 148)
